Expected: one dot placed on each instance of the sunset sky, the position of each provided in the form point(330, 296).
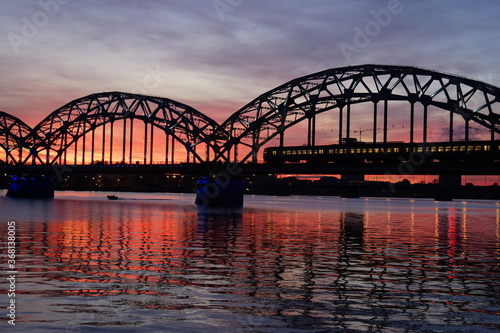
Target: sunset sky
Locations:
point(217, 55)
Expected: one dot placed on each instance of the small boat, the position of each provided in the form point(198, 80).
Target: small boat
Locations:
point(112, 197)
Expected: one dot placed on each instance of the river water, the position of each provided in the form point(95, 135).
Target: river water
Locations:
point(155, 263)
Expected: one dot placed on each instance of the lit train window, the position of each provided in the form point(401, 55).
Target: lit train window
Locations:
point(315, 151)
point(478, 148)
point(448, 148)
point(486, 148)
point(389, 150)
point(330, 151)
point(358, 151)
point(274, 152)
point(396, 150)
point(419, 149)
point(462, 148)
point(376, 150)
point(370, 150)
point(309, 152)
point(288, 152)
point(351, 151)
point(455, 148)
point(294, 152)
point(321, 151)
point(441, 149)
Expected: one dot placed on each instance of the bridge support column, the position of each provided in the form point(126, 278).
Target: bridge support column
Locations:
point(412, 121)
point(172, 150)
point(111, 144)
point(374, 122)
point(103, 151)
point(93, 146)
point(385, 124)
point(348, 122)
point(131, 141)
point(145, 157)
point(447, 186)
point(424, 134)
point(83, 144)
point(151, 145)
point(340, 124)
point(167, 142)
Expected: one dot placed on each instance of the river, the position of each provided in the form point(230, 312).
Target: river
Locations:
point(153, 262)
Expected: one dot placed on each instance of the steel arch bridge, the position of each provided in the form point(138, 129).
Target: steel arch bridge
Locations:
point(81, 117)
point(304, 98)
point(88, 123)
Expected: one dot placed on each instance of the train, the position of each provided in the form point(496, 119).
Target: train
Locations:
point(358, 151)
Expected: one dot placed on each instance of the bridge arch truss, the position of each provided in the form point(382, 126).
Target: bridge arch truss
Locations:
point(15, 139)
point(302, 100)
point(88, 126)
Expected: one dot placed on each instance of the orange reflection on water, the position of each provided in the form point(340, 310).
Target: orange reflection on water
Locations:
point(134, 242)
point(358, 263)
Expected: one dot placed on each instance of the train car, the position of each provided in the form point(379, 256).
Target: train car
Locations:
point(382, 152)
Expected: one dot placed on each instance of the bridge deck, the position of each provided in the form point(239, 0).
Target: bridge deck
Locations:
point(401, 168)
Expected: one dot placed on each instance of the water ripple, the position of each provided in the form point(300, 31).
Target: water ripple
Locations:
point(88, 265)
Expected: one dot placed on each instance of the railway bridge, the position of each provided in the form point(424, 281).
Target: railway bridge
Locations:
point(357, 115)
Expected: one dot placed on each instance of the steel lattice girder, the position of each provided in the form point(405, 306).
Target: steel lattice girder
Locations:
point(14, 137)
point(66, 125)
point(273, 112)
point(262, 119)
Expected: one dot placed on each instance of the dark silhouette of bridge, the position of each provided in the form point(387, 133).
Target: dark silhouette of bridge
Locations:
point(107, 131)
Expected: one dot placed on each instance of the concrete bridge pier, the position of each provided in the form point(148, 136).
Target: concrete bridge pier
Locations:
point(447, 186)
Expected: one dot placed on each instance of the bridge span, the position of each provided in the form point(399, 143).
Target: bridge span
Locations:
point(352, 160)
point(373, 104)
point(403, 168)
